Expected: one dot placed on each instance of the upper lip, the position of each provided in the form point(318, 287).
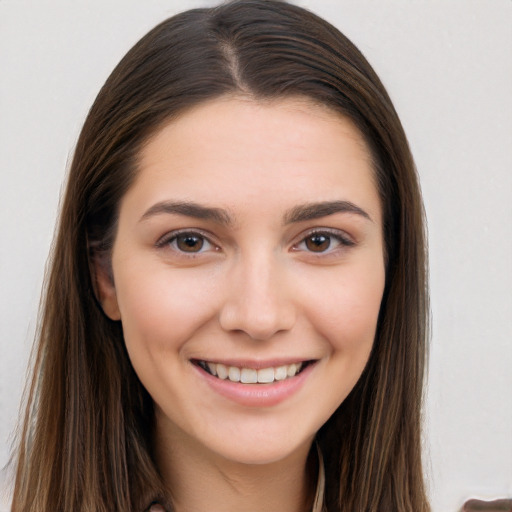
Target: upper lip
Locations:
point(255, 363)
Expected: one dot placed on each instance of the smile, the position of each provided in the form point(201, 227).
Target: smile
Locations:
point(252, 375)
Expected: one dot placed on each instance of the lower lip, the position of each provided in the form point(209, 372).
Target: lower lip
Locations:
point(257, 395)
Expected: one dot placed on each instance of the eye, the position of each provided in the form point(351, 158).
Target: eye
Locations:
point(323, 242)
point(190, 242)
point(318, 242)
point(186, 242)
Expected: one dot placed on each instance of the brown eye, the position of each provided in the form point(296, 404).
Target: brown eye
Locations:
point(188, 242)
point(318, 242)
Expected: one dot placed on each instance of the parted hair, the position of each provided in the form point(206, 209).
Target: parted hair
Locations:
point(86, 439)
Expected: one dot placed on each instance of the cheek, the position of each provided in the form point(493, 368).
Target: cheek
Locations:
point(161, 308)
point(345, 310)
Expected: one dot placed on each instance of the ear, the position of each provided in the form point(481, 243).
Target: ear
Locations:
point(103, 283)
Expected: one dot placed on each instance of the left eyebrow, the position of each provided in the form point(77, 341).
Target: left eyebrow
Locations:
point(311, 211)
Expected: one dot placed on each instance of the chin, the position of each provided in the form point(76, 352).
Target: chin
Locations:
point(259, 452)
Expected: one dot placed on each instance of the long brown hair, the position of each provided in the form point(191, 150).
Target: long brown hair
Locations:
point(86, 438)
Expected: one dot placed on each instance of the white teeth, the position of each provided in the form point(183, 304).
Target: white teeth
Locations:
point(222, 371)
point(266, 375)
point(251, 375)
point(280, 373)
point(234, 374)
point(212, 368)
point(291, 370)
point(248, 376)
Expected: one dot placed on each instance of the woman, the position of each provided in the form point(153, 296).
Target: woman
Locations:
point(235, 316)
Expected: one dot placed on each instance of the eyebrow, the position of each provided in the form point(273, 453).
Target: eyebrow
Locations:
point(311, 211)
point(300, 213)
point(189, 209)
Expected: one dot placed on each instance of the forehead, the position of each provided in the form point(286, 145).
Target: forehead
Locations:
point(297, 124)
point(235, 148)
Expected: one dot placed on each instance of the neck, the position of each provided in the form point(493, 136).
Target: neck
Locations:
point(202, 481)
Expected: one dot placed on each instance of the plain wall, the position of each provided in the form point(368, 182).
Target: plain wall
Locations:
point(447, 65)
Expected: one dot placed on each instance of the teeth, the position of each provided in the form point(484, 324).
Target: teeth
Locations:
point(281, 373)
point(234, 374)
point(291, 370)
point(266, 375)
point(222, 371)
point(212, 368)
point(251, 375)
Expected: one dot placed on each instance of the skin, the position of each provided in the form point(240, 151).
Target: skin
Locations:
point(257, 286)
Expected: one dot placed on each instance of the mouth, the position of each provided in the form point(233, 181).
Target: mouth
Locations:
point(247, 375)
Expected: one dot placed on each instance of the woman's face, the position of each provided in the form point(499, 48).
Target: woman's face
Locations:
point(249, 247)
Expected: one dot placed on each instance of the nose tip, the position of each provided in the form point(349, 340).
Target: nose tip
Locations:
point(257, 325)
point(258, 305)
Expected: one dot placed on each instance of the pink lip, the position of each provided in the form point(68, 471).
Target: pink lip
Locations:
point(257, 395)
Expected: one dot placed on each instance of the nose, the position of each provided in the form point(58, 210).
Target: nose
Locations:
point(259, 302)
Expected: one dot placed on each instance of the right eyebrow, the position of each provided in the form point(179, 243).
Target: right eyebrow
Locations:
point(189, 209)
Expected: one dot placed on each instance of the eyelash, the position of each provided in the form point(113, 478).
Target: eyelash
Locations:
point(341, 239)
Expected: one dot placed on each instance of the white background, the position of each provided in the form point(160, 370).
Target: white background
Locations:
point(448, 67)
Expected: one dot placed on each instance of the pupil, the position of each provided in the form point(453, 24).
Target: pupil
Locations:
point(318, 243)
point(189, 243)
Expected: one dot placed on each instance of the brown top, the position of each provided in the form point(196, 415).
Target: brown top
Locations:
point(504, 505)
